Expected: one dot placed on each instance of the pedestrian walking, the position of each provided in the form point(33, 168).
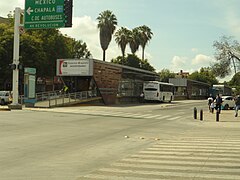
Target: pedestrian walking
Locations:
point(212, 106)
point(218, 102)
point(142, 97)
point(237, 105)
point(210, 100)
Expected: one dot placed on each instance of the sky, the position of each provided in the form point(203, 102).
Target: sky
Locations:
point(183, 30)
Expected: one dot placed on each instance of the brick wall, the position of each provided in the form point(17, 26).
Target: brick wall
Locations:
point(107, 78)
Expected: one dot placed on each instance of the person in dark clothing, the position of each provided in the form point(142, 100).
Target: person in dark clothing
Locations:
point(218, 102)
point(237, 105)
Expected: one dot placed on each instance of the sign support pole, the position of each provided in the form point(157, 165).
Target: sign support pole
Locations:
point(15, 83)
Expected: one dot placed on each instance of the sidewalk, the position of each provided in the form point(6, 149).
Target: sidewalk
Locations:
point(224, 116)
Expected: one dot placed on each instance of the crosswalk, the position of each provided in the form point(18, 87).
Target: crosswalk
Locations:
point(169, 117)
point(188, 159)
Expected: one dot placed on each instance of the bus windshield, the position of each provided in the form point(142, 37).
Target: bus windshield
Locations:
point(150, 89)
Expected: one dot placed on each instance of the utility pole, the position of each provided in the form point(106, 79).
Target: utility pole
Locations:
point(15, 83)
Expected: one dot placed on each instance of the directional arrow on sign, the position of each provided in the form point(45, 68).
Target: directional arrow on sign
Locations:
point(29, 10)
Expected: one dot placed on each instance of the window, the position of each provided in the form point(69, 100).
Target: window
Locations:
point(150, 89)
point(166, 88)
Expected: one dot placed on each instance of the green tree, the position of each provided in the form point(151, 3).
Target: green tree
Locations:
point(144, 64)
point(235, 82)
point(6, 53)
point(107, 22)
point(145, 37)
point(38, 49)
point(133, 61)
point(122, 37)
point(78, 49)
point(227, 54)
point(134, 40)
point(204, 75)
point(165, 74)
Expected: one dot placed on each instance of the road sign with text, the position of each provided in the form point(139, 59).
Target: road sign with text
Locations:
point(44, 14)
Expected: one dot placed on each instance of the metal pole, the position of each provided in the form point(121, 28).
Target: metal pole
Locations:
point(217, 115)
point(15, 82)
point(201, 114)
point(195, 113)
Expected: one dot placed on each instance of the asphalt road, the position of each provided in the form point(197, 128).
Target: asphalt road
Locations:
point(98, 142)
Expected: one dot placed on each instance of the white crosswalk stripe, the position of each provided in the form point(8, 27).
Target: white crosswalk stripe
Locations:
point(120, 114)
point(189, 158)
point(163, 117)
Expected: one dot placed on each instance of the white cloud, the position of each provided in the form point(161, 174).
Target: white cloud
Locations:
point(10, 5)
point(194, 50)
point(201, 59)
point(178, 63)
point(190, 65)
point(85, 29)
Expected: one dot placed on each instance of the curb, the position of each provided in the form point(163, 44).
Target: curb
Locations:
point(5, 109)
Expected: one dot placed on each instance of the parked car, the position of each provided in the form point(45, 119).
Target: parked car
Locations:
point(228, 102)
point(5, 97)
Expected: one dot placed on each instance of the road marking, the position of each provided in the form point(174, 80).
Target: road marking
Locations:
point(163, 117)
point(174, 118)
point(188, 158)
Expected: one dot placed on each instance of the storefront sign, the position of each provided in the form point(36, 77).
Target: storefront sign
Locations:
point(74, 67)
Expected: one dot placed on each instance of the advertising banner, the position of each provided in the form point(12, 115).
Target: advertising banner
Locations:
point(74, 67)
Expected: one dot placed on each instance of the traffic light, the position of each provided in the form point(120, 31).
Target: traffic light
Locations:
point(68, 4)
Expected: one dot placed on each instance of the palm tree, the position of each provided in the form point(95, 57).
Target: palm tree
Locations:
point(134, 40)
point(122, 39)
point(107, 22)
point(145, 37)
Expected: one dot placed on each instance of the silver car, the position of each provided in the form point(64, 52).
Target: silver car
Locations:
point(5, 97)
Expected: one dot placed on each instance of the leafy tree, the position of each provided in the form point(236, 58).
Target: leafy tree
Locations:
point(107, 22)
point(145, 37)
point(6, 53)
point(38, 49)
point(227, 54)
point(32, 54)
point(134, 40)
point(205, 75)
point(144, 64)
point(78, 49)
point(133, 61)
point(119, 60)
point(165, 74)
point(122, 37)
point(235, 82)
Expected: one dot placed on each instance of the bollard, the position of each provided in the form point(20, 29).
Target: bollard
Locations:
point(195, 113)
point(217, 115)
point(201, 114)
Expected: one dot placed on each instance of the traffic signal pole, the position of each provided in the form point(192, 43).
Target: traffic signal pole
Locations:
point(15, 82)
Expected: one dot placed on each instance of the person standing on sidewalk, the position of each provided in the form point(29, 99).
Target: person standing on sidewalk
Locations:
point(210, 100)
point(218, 103)
point(212, 106)
point(237, 105)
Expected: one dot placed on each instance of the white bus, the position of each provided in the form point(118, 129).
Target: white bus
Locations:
point(158, 91)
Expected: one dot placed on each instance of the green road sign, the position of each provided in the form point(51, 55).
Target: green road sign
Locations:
point(41, 14)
